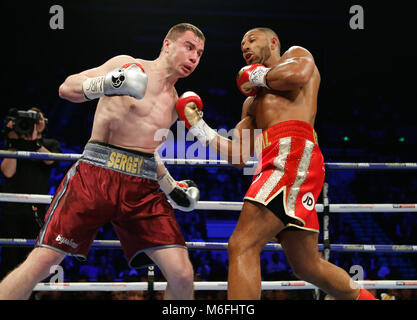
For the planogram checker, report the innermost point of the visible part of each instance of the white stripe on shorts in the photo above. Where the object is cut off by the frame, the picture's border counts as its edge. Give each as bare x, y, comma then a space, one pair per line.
275, 177
301, 177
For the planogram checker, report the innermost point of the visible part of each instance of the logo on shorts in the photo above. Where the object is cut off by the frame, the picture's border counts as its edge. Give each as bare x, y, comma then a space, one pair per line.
308, 201
61, 240
125, 163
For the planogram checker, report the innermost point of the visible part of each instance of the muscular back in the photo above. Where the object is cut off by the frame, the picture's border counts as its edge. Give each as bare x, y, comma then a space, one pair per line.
131, 123
270, 107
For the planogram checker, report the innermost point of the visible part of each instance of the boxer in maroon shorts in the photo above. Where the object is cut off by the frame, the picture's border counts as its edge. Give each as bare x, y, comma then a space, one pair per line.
120, 173
128, 197
282, 102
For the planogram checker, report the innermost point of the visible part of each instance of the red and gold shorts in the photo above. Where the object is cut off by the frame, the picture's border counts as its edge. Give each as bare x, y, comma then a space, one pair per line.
111, 184
290, 173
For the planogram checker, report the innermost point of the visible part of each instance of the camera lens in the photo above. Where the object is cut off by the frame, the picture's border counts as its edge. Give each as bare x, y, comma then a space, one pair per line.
24, 126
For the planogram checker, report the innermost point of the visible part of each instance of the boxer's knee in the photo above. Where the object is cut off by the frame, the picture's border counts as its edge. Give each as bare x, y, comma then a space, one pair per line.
40, 260
233, 247
307, 270
240, 244
181, 276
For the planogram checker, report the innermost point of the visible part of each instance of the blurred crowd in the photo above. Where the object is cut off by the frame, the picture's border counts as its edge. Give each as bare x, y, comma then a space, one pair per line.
229, 184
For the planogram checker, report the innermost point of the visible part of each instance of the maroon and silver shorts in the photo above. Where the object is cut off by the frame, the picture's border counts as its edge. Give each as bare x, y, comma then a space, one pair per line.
111, 184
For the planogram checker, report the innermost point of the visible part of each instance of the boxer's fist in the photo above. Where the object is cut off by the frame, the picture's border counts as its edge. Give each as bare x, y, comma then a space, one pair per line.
250, 78
183, 194
189, 107
128, 80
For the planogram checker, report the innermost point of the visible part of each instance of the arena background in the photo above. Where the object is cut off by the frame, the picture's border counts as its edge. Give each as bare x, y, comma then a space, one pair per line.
366, 108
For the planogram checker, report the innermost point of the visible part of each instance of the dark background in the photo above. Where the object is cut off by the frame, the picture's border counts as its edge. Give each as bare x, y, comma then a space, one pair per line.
366, 108
367, 90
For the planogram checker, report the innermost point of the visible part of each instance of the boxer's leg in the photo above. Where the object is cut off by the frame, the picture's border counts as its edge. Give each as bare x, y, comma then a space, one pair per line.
176, 267
19, 283
256, 226
301, 250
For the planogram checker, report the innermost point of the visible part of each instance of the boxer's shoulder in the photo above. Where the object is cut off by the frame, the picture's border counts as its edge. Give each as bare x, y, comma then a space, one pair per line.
295, 51
148, 65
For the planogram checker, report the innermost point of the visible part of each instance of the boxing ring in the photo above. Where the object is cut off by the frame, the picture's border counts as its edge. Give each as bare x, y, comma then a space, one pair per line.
326, 247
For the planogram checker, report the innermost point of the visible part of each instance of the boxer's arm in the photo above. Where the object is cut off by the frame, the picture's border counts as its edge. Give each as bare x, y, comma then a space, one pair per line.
72, 88
241, 148
183, 194
160, 169
293, 72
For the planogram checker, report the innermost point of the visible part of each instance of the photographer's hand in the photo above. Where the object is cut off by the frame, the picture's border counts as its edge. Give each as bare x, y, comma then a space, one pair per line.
11, 134
37, 138
8, 165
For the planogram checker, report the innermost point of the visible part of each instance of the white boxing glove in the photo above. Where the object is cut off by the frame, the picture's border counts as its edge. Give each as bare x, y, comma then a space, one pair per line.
183, 194
128, 80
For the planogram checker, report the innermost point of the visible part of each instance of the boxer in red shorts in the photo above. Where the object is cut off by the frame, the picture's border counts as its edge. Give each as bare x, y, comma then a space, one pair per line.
290, 174
282, 102
119, 175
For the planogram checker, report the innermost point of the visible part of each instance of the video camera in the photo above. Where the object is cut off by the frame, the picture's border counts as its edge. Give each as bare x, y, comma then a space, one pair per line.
23, 122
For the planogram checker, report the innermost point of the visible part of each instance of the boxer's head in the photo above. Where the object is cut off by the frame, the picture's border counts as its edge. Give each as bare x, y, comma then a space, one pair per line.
259, 44
183, 46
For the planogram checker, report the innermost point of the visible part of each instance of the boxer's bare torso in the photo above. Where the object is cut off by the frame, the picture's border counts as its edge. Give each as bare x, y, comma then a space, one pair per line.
270, 107
131, 123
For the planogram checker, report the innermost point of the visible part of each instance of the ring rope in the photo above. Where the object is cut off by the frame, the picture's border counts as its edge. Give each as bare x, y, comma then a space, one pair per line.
237, 206
213, 162
115, 244
211, 285
233, 206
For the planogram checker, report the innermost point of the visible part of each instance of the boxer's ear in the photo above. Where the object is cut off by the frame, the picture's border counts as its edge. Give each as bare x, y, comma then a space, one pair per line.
274, 43
166, 44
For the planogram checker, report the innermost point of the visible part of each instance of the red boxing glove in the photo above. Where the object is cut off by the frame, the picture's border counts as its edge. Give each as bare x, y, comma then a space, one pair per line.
189, 107
250, 78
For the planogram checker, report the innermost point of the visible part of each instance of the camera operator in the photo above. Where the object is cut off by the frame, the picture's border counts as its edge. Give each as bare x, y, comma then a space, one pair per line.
24, 132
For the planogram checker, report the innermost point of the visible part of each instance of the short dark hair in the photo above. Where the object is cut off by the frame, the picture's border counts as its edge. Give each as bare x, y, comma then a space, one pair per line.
182, 28
270, 32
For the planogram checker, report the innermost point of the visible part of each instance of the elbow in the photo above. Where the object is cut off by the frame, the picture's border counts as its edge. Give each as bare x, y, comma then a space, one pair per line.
63, 91
300, 79
303, 73
238, 164
7, 172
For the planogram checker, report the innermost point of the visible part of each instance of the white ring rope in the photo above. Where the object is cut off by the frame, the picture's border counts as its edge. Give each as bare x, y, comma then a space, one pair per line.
336, 247
237, 206
219, 205
211, 285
